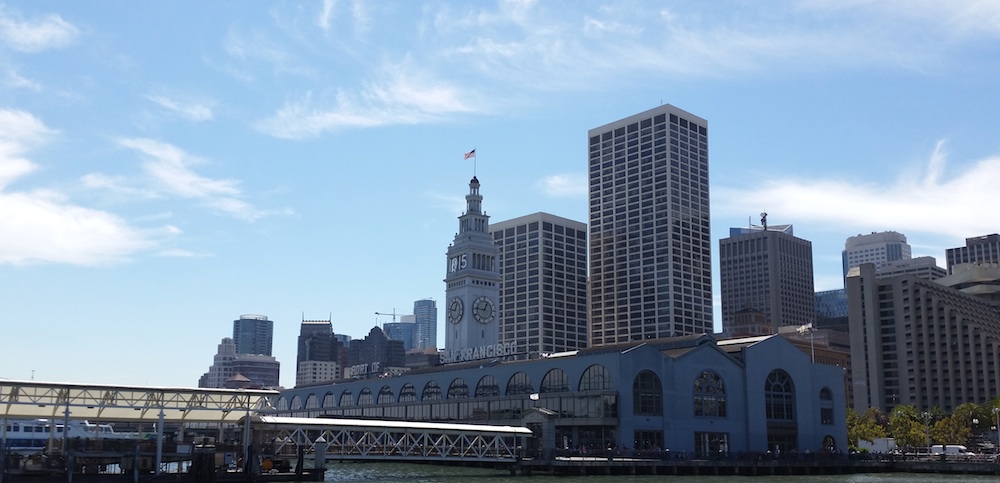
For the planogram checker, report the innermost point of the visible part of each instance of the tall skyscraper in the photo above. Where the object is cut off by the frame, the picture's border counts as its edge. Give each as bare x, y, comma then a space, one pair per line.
253, 334
426, 313
472, 284
404, 331
877, 248
768, 269
543, 287
978, 249
321, 357
650, 241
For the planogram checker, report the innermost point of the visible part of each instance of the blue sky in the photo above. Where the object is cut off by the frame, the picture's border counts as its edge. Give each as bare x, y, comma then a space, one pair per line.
168, 166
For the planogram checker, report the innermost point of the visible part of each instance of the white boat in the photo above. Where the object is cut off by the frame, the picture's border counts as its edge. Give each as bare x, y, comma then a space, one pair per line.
23, 435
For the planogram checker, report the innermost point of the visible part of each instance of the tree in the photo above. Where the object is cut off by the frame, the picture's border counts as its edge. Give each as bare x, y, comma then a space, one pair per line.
867, 426
907, 425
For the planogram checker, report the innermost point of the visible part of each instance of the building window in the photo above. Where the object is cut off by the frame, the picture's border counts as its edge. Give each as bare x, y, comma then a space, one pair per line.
709, 395
647, 394
365, 398
711, 445
408, 393
487, 387
779, 397
458, 389
826, 406
432, 391
519, 383
555, 381
346, 398
385, 395
595, 378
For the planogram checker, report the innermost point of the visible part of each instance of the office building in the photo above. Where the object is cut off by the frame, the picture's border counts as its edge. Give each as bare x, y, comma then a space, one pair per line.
374, 356
877, 248
650, 241
321, 357
404, 331
253, 334
921, 342
979, 249
472, 285
543, 287
232, 370
695, 395
770, 270
425, 315
831, 304
922, 267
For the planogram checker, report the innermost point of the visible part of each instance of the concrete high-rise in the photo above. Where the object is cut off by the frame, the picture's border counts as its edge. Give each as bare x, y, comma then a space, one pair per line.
543, 286
978, 249
877, 248
769, 270
426, 313
253, 334
321, 357
650, 240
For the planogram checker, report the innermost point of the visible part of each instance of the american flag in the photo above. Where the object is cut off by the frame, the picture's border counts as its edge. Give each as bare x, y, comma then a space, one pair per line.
470, 154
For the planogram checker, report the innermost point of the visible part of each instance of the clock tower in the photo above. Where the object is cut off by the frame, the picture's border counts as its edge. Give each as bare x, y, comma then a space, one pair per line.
472, 284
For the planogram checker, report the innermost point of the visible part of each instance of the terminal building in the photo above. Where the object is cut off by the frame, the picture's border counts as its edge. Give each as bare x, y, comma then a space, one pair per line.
692, 395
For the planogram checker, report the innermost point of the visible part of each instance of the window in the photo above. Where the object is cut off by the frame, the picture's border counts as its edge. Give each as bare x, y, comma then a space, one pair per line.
826, 406
365, 398
487, 387
595, 378
346, 399
408, 393
647, 395
519, 383
779, 396
432, 391
385, 395
555, 381
458, 389
709, 395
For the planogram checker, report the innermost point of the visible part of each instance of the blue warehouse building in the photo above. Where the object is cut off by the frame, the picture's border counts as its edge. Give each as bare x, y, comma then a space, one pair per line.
691, 395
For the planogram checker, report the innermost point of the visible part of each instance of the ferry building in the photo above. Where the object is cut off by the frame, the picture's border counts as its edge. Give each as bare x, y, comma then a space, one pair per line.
692, 395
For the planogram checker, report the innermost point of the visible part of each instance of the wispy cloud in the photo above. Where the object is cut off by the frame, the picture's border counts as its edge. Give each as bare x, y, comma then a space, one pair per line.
192, 111
42, 225
930, 204
572, 185
35, 35
171, 169
402, 94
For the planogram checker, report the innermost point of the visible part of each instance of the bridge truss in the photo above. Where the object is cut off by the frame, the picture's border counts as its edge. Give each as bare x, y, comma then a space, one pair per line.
358, 439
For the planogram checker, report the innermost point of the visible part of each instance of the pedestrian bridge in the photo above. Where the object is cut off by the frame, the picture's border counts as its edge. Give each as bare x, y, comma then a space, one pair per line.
360, 439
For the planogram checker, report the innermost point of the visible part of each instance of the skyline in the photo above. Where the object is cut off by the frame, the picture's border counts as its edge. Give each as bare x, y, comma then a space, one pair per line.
166, 168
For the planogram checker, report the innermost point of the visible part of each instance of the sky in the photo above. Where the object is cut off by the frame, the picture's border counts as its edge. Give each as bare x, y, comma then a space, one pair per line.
166, 167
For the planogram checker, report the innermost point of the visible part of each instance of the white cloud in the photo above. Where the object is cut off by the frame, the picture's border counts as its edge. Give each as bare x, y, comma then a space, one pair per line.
930, 204
171, 170
402, 95
49, 32
566, 184
42, 225
193, 112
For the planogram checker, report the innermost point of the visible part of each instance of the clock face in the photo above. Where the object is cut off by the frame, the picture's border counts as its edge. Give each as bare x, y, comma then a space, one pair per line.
455, 310
482, 309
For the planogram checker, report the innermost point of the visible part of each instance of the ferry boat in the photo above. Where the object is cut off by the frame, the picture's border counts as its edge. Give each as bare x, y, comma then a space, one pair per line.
27, 435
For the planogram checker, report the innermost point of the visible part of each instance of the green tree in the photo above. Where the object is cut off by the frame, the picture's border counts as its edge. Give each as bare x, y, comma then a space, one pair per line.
867, 426
952, 429
907, 425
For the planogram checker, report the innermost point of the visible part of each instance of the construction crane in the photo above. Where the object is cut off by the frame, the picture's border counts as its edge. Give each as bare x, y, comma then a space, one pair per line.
393, 314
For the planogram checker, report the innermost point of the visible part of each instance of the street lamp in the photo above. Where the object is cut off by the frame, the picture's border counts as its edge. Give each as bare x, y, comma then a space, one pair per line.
927, 430
996, 417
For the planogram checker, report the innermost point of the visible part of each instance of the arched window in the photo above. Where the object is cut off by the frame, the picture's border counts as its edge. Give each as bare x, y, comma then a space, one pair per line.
829, 444
312, 402
709, 395
595, 378
555, 380
647, 394
282, 404
407, 393
365, 398
487, 387
329, 401
519, 383
779, 396
825, 406
432, 391
385, 395
296, 403
346, 398
458, 389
